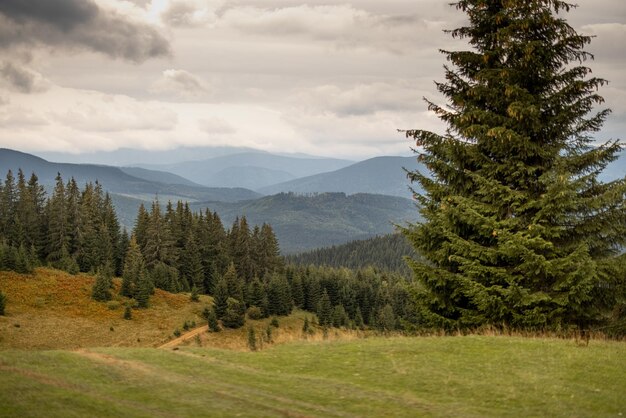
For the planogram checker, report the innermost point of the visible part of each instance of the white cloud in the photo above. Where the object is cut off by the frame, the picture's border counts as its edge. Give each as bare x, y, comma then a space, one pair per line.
180, 83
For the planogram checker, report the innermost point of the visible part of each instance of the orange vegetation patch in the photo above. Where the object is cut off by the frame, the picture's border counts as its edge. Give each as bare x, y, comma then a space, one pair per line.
53, 309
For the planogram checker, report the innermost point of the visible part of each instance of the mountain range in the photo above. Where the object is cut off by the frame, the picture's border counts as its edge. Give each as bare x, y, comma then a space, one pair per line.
311, 202
251, 170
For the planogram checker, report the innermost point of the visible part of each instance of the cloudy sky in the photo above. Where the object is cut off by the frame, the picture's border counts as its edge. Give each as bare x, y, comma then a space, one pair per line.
323, 77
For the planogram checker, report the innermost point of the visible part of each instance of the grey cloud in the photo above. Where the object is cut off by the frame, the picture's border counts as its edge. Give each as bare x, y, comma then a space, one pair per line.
63, 14
179, 14
76, 24
21, 79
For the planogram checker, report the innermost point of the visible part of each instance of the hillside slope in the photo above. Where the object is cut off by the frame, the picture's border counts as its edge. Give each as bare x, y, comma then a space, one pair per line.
380, 175
54, 310
306, 222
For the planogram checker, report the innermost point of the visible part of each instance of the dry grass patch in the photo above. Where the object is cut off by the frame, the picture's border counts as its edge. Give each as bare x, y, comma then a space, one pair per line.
51, 309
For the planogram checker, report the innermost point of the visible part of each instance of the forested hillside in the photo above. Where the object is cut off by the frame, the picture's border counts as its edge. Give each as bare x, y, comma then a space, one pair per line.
177, 250
385, 252
304, 222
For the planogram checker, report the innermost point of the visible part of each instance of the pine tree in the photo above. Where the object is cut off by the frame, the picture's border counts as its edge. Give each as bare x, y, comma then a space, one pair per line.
143, 291
101, 288
3, 301
58, 239
251, 339
518, 229
235, 283
220, 298
134, 268
128, 313
279, 296
191, 268
8, 207
212, 322
325, 310
257, 296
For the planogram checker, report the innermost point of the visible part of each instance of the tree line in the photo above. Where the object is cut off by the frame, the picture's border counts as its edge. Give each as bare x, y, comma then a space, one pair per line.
385, 252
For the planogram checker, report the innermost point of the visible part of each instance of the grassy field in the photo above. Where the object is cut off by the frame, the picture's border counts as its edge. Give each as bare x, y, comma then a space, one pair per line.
434, 376
343, 373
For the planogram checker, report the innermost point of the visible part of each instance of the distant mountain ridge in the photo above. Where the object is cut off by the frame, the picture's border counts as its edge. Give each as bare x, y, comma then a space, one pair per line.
257, 169
379, 175
114, 179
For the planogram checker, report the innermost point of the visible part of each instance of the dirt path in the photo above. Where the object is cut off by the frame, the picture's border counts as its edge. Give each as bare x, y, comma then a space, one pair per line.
186, 336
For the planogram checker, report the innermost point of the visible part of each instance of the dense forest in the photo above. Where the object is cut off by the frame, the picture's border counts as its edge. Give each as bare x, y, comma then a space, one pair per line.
178, 250
386, 253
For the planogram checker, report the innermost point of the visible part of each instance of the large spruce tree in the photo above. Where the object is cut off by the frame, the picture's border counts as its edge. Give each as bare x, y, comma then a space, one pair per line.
518, 229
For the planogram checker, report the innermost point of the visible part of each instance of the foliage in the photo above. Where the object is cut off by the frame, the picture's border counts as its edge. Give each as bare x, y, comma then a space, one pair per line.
212, 322
234, 317
386, 253
3, 301
252, 339
128, 313
101, 289
519, 231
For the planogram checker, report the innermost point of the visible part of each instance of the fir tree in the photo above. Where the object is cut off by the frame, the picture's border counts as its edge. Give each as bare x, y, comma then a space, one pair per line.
518, 229
257, 296
251, 339
143, 291
212, 322
57, 237
101, 288
234, 316
191, 268
3, 301
128, 313
279, 296
134, 268
325, 310
220, 298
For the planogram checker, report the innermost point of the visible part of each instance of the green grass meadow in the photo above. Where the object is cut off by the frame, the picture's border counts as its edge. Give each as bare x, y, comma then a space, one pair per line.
473, 376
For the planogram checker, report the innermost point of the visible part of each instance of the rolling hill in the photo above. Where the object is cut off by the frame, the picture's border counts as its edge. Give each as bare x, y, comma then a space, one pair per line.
304, 222
158, 176
380, 175
115, 180
252, 169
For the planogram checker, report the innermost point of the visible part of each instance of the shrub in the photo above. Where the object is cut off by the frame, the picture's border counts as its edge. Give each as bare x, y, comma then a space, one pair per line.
254, 312
128, 313
2, 303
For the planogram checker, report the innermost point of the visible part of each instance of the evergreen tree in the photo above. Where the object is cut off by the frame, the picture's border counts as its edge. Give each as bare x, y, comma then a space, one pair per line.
234, 316
358, 319
128, 313
297, 292
101, 288
518, 229
143, 291
191, 268
214, 326
257, 296
57, 236
8, 207
134, 268
235, 283
220, 298
3, 301
251, 338
325, 310
279, 296
74, 212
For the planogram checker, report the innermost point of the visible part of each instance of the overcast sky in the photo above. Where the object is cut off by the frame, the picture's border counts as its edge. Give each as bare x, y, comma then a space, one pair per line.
332, 78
